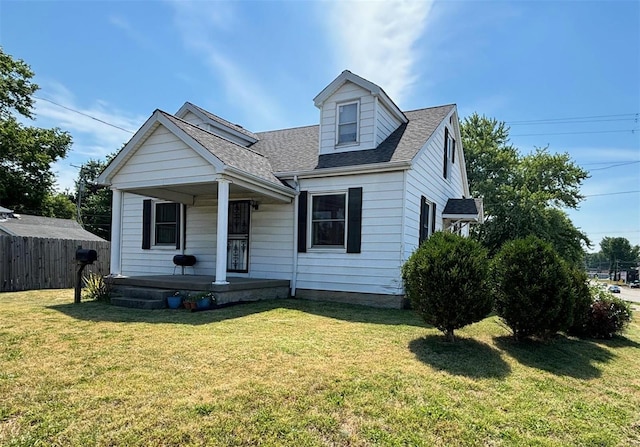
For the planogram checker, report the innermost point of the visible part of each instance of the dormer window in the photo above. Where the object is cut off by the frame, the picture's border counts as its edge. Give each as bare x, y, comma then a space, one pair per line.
348, 123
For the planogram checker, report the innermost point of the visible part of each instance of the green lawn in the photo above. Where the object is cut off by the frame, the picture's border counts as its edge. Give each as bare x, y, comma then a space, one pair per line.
300, 373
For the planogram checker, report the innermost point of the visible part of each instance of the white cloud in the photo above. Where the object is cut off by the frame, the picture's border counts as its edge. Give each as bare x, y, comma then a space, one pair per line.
207, 29
91, 127
97, 130
377, 40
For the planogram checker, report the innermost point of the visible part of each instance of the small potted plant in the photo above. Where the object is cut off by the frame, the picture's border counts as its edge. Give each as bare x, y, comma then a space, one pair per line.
204, 300
189, 301
174, 301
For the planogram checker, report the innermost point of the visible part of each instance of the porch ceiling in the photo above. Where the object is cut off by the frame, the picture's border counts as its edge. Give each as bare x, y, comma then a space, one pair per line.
188, 194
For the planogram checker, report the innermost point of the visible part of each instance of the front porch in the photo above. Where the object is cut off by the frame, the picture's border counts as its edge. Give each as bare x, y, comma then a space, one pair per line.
136, 289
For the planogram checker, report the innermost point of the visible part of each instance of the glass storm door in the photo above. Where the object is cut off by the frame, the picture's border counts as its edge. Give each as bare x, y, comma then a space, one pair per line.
238, 237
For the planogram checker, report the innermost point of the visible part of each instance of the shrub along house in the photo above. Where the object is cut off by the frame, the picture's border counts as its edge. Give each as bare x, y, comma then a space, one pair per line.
331, 210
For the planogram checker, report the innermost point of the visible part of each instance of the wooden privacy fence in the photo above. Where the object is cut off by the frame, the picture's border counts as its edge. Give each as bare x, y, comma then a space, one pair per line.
29, 263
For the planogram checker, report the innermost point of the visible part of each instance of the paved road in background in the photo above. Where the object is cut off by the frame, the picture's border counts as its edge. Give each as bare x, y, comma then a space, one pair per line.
629, 294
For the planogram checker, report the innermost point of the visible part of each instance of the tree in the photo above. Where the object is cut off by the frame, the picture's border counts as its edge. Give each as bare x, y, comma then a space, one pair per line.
59, 205
446, 279
619, 253
26, 152
523, 194
95, 200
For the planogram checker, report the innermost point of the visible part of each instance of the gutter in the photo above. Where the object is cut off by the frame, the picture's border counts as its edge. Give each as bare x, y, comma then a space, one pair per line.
372, 168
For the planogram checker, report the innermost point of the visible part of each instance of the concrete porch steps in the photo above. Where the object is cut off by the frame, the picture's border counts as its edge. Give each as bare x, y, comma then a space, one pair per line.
140, 297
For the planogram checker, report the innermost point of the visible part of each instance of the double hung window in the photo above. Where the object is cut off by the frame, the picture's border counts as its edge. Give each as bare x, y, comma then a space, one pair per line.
166, 223
328, 220
348, 123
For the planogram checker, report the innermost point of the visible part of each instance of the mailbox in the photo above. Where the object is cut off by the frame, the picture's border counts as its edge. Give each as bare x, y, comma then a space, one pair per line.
85, 256
184, 260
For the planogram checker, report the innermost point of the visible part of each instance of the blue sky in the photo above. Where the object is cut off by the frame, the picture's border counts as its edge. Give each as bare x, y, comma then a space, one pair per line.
260, 64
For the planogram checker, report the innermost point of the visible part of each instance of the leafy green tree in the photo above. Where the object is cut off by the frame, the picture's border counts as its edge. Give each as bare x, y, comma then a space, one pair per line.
523, 194
619, 252
446, 279
26, 152
95, 200
59, 205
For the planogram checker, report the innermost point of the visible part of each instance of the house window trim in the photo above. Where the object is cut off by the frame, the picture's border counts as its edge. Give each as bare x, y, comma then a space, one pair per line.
327, 248
170, 245
448, 153
357, 123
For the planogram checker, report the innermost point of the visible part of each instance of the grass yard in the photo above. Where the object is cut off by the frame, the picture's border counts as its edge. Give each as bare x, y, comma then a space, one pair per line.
299, 373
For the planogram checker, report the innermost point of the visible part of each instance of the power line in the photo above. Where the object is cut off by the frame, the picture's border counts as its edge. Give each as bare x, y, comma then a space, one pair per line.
613, 193
608, 162
84, 114
615, 165
636, 115
633, 131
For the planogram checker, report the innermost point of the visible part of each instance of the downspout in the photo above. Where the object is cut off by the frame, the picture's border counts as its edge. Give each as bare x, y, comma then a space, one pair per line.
294, 273
404, 226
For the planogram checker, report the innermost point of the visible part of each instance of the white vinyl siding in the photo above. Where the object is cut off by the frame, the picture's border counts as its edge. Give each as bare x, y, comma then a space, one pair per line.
348, 93
385, 123
163, 159
425, 179
377, 268
192, 118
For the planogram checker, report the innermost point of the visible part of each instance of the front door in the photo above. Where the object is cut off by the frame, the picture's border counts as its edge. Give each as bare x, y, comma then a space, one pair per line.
238, 236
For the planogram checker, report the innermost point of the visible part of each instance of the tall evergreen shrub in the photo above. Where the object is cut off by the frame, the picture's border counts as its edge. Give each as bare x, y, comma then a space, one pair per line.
447, 281
533, 289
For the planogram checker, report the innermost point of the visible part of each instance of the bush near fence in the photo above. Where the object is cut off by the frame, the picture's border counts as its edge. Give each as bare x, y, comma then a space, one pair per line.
30, 263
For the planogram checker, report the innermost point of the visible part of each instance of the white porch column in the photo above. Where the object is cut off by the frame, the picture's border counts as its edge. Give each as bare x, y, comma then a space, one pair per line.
221, 236
116, 231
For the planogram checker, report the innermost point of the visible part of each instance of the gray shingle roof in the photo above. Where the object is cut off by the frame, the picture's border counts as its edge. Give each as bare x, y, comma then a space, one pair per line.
231, 154
461, 206
291, 150
46, 227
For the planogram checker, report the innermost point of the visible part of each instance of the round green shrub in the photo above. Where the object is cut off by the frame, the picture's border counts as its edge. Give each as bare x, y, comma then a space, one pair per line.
608, 316
446, 280
532, 288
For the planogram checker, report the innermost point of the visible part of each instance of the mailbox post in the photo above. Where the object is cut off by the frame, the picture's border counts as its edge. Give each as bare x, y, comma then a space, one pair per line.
84, 257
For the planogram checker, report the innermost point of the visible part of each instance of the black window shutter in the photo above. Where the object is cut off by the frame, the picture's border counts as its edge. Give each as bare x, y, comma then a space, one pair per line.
178, 237
433, 219
146, 224
302, 222
354, 226
445, 162
453, 151
423, 231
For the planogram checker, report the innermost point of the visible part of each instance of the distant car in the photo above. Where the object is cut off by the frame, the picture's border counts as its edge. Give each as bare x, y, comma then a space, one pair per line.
614, 289
635, 284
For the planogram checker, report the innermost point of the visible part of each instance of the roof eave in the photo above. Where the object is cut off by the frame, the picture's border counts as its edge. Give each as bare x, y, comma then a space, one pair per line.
371, 168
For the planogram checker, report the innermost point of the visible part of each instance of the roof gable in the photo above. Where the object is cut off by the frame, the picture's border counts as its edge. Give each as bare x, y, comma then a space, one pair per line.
374, 89
140, 137
219, 123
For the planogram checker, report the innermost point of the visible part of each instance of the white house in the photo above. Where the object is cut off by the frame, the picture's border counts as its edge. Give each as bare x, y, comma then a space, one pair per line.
334, 208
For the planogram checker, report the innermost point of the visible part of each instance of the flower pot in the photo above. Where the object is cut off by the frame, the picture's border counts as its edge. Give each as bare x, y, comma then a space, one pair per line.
204, 303
174, 301
189, 305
